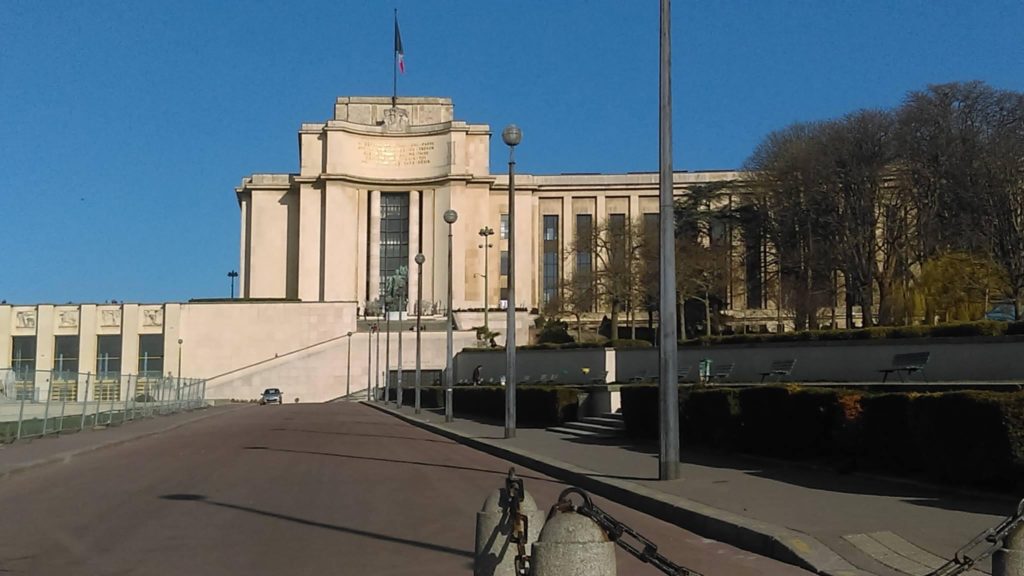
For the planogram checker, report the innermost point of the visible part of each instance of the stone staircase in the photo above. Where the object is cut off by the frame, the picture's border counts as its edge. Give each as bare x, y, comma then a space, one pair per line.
607, 425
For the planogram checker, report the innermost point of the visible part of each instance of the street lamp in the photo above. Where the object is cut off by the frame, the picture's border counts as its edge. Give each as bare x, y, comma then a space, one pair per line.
370, 359
232, 275
450, 216
486, 232
348, 370
180, 341
400, 280
420, 259
389, 292
512, 136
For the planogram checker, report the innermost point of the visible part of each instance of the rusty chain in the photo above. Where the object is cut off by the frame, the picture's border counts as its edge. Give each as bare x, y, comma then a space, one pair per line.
646, 551
520, 523
981, 546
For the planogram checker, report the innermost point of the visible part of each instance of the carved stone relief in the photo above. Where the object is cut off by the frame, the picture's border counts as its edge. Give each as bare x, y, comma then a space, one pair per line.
67, 318
152, 317
26, 318
110, 317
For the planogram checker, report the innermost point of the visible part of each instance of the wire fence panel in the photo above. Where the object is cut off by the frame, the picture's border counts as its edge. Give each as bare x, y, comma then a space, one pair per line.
37, 403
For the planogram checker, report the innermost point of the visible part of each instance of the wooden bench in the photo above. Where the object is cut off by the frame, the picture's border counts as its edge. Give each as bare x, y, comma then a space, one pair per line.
721, 372
906, 363
779, 368
683, 373
600, 379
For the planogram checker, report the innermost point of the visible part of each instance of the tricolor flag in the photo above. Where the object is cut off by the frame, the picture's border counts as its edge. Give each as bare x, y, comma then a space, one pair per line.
399, 53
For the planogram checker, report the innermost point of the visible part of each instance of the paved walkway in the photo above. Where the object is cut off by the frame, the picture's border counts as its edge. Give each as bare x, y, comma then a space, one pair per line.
881, 526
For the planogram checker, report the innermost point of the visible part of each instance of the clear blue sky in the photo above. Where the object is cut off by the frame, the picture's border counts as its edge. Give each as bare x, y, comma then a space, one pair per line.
124, 126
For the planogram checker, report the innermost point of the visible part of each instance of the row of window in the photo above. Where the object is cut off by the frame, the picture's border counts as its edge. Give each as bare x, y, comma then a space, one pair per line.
66, 353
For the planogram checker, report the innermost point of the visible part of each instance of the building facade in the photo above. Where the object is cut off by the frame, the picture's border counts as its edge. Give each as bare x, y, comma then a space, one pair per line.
373, 184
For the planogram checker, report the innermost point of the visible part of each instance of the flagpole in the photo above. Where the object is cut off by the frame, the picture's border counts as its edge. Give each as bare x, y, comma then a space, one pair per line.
394, 68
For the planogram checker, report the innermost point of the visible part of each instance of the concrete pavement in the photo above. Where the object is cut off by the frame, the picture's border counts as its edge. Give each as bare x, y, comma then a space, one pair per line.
296, 489
824, 521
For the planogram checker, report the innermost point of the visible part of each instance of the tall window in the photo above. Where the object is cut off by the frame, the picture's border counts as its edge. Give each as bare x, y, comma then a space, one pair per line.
584, 274
617, 240
504, 263
65, 357
503, 227
108, 357
151, 355
503, 280
753, 268
551, 252
23, 357
394, 235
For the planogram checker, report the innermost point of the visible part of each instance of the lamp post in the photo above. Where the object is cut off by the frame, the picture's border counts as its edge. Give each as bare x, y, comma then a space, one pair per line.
668, 388
511, 136
369, 361
400, 280
376, 374
450, 216
420, 259
389, 289
348, 370
232, 275
180, 341
486, 232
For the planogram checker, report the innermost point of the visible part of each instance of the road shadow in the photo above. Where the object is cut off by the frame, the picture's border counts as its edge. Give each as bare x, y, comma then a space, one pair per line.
397, 461
819, 476
623, 443
389, 436
306, 522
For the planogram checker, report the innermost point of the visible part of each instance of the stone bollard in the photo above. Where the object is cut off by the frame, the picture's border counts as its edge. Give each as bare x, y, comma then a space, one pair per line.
1009, 560
495, 550
572, 545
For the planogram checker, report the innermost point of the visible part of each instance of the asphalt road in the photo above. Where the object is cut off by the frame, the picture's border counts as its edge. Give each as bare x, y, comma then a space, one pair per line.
295, 489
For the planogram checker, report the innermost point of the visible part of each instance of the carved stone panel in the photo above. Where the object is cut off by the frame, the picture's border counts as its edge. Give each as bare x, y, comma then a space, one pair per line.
26, 318
152, 317
67, 318
110, 317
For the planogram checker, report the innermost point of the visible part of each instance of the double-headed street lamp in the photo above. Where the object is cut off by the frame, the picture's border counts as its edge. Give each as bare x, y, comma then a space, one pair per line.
512, 136
400, 279
232, 275
420, 259
486, 232
450, 216
369, 360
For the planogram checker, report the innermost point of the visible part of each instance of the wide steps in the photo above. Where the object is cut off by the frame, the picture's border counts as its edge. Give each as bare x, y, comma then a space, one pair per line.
608, 425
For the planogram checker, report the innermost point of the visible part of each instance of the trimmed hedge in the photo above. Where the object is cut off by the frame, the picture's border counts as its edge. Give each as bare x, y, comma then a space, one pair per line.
968, 437
959, 330
535, 405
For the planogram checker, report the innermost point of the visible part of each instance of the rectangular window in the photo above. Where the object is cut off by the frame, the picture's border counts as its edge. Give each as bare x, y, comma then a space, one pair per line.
551, 251
65, 357
151, 355
754, 268
584, 275
503, 227
394, 240
503, 271
23, 358
108, 357
617, 241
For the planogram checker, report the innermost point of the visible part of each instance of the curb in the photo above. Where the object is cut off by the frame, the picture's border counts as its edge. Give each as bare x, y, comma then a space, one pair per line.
67, 455
761, 538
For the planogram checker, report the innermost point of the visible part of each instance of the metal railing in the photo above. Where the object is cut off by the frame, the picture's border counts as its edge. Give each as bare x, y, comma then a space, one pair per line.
36, 403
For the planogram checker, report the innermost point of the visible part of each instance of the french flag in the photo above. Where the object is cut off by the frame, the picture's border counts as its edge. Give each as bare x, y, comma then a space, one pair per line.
399, 53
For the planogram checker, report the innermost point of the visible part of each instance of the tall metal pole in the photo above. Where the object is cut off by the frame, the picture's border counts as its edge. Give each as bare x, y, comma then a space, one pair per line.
668, 387
348, 370
486, 232
387, 342
398, 383
369, 362
179, 356
419, 326
376, 374
512, 136
450, 216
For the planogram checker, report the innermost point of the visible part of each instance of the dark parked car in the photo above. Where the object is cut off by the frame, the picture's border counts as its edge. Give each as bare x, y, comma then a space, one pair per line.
271, 396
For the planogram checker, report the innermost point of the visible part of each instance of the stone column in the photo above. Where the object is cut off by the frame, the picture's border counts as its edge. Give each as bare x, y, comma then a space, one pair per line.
414, 236
374, 245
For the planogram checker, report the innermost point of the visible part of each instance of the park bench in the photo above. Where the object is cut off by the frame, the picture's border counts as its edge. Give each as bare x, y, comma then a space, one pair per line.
779, 368
683, 373
600, 378
906, 363
721, 372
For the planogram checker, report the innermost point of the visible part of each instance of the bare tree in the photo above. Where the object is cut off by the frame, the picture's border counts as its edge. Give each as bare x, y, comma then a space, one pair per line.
615, 247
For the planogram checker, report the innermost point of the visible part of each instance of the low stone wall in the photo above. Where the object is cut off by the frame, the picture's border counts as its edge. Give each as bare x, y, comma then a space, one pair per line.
574, 366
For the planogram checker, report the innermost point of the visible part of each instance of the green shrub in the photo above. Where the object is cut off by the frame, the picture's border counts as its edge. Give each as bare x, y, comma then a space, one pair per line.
970, 437
1015, 328
627, 343
710, 417
886, 439
983, 328
640, 411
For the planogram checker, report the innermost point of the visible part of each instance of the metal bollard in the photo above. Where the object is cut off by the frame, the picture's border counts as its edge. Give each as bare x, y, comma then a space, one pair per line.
1009, 560
496, 547
572, 544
